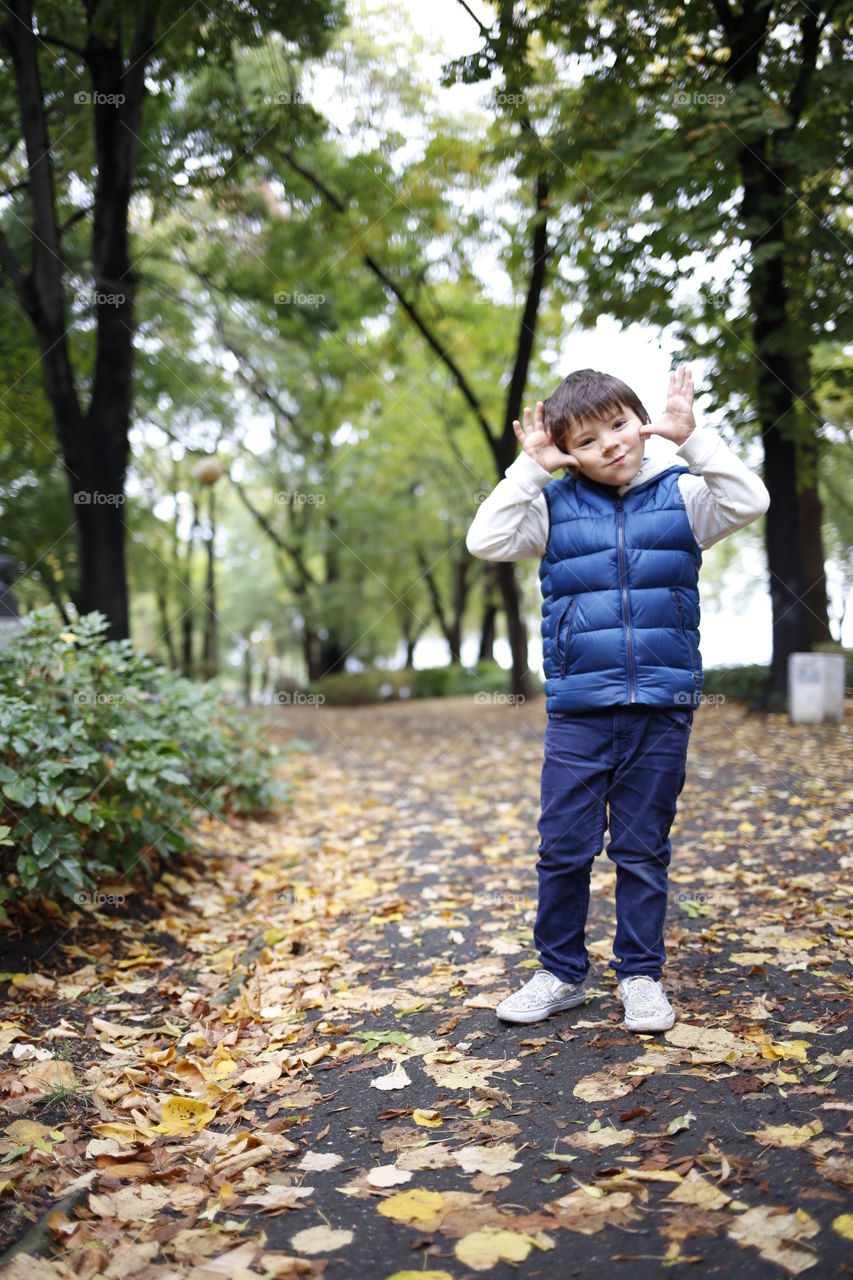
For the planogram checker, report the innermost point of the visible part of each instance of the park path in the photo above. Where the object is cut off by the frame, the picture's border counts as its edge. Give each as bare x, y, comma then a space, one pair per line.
285, 1060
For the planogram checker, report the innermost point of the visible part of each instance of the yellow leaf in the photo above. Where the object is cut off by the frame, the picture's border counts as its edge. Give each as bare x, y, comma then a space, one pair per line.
184, 1115
843, 1224
21, 1131
789, 1049
421, 1275
423, 1207
120, 1130
789, 1135
482, 1250
429, 1119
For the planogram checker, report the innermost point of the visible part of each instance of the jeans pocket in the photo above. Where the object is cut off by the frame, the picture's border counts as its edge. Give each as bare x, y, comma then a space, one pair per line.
679, 715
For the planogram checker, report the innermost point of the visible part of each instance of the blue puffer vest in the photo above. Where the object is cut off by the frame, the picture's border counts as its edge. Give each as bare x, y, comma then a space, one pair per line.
620, 608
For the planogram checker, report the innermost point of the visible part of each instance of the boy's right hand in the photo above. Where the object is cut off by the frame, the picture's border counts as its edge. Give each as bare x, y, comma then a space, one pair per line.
537, 442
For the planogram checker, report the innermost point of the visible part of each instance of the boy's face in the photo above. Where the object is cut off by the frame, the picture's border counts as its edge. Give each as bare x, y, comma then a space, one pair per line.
610, 450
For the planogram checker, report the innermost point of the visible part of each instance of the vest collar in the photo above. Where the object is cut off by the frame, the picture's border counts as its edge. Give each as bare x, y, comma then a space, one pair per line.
650, 469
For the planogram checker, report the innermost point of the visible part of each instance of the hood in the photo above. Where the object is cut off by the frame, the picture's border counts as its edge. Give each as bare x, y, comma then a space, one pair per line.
652, 465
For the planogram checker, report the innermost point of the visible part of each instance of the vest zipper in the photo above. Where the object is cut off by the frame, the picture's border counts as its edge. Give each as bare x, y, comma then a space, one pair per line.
623, 579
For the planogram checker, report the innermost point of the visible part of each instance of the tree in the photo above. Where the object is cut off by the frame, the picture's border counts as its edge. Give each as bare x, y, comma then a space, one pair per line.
66, 235
703, 145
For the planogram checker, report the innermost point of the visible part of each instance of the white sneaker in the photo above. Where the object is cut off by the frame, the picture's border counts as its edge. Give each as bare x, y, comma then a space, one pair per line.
646, 1005
541, 996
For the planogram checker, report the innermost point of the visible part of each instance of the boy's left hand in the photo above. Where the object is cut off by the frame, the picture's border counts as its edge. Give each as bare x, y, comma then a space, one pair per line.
677, 421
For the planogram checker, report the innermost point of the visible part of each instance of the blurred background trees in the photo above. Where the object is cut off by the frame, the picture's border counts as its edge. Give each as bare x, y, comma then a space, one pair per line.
328, 320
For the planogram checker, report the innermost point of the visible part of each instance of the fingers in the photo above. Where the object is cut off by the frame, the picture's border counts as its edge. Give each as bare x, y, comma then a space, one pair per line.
538, 421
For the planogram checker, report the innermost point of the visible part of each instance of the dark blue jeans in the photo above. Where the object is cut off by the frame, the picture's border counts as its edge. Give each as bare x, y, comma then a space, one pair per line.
631, 759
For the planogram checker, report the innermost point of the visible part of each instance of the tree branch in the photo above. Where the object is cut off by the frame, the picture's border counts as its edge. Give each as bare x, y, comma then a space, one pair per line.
382, 275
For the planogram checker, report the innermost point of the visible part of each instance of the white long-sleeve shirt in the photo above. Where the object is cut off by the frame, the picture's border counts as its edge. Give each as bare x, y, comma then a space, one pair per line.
720, 493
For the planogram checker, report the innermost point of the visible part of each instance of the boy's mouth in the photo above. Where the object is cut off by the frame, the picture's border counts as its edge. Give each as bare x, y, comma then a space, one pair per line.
616, 461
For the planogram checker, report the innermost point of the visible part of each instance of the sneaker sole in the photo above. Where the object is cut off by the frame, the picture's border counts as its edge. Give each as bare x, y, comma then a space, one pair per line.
531, 1015
650, 1024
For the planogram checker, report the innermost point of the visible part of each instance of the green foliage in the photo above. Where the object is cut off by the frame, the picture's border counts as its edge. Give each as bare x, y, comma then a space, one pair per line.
452, 681
105, 758
736, 683
748, 682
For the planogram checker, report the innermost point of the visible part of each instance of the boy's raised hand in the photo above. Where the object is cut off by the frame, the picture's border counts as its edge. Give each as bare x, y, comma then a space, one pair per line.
677, 421
537, 441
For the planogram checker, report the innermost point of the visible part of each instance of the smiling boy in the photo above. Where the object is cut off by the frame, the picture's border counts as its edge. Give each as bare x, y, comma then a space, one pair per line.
620, 538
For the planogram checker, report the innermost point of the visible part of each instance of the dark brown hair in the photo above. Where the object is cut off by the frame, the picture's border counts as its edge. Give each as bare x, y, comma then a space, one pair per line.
586, 393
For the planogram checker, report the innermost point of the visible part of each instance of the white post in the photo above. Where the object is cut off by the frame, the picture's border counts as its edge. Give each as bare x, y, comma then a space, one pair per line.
815, 687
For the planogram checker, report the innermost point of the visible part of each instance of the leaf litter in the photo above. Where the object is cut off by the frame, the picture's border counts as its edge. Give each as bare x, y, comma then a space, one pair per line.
182, 1095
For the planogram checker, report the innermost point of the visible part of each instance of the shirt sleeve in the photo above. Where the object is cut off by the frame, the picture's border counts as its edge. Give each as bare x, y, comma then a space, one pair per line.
512, 522
720, 492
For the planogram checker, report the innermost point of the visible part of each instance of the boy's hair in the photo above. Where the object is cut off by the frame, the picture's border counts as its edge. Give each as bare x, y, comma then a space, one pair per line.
586, 393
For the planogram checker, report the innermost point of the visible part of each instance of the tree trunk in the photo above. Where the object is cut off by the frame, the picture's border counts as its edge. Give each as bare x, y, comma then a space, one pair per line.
163, 610
333, 656
187, 657
247, 674
96, 481
764, 203
487, 633
522, 685
490, 613
210, 650
811, 516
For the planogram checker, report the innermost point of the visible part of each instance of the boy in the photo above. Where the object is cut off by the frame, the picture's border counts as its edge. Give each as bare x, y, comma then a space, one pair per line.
620, 538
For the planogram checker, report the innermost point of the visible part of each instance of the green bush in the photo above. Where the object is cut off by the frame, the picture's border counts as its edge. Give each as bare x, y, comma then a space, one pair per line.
105, 756
454, 680
739, 683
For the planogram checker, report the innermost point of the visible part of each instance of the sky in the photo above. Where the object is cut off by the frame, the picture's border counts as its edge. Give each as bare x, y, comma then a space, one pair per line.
735, 633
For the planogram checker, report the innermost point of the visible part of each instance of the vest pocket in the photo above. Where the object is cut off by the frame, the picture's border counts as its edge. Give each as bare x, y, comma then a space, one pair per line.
563, 644
694, 665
